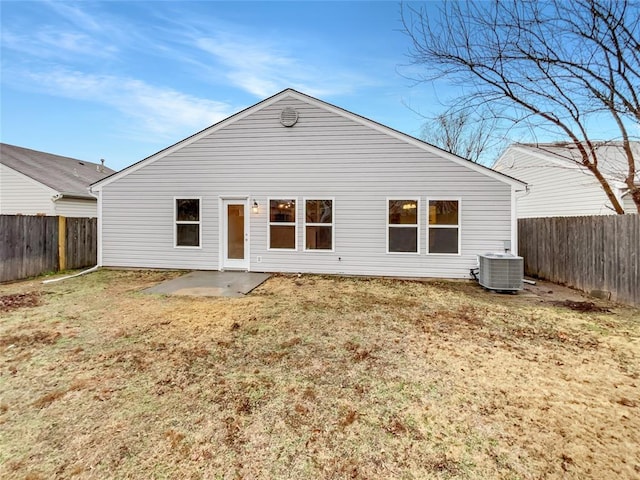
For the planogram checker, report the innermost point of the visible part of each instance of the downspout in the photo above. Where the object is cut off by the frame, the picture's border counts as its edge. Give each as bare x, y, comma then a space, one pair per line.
92, 269
514, 215
514, 222
98, 194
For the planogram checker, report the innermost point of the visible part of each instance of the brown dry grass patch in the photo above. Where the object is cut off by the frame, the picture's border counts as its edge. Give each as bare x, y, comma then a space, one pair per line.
314, 377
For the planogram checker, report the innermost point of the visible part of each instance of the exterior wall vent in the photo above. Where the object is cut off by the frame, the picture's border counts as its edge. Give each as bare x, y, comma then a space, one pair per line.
501, 271
288, 117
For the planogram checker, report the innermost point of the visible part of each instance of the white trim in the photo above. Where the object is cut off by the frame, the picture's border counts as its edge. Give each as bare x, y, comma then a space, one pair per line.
234, 197
323, 105
185, 222
283, 224
225, 263
305, 224
514, 223
72, 196
99, 212
406, 225
458, 226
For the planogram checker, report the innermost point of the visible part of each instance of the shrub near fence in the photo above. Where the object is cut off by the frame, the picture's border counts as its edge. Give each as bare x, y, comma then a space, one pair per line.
587, 253
32, 245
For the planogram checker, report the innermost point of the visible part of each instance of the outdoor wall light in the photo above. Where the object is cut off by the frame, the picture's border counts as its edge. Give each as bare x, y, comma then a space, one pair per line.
255, 206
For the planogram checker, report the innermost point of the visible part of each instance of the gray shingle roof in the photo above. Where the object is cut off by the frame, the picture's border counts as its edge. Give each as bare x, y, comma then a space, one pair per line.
63, 174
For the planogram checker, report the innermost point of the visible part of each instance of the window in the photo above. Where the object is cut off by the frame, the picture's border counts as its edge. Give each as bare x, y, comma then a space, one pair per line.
318, 226
402, 226
282, 224
444, 226
187, 216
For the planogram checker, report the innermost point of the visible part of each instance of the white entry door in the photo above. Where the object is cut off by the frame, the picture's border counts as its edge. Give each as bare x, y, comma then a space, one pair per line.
234, 241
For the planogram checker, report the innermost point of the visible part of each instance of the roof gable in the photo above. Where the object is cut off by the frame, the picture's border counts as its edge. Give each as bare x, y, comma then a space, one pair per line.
65, 175
323, 105
612, 162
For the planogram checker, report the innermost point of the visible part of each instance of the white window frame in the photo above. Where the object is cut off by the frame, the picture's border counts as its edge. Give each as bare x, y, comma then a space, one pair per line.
282, 224
458, 226
177, 222
332, 225
393, 225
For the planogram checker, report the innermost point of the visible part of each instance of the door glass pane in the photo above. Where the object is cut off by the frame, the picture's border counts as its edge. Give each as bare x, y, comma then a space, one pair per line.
235, 231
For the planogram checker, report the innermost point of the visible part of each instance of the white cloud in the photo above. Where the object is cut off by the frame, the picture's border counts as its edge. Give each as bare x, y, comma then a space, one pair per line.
255, 62
253, 66
243, 52
78, 16
157, 110
51, 43
263, 68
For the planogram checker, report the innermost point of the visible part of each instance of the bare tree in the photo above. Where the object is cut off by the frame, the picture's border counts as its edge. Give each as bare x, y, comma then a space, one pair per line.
461, 133
557, 66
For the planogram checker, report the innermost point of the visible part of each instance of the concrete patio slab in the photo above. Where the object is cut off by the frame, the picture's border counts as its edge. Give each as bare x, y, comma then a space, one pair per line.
211, 284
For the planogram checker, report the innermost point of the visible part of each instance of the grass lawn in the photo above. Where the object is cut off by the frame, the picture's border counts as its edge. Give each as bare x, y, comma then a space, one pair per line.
313, 377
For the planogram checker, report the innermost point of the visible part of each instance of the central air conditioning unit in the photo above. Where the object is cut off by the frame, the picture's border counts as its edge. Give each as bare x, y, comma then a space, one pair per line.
501, 271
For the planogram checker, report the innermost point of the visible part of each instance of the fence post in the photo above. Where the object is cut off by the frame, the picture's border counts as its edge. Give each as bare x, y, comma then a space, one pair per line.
62, 243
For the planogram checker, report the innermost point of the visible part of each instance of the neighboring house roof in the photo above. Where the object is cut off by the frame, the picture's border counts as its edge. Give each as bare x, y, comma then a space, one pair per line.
612, 161
70, 177
321, 104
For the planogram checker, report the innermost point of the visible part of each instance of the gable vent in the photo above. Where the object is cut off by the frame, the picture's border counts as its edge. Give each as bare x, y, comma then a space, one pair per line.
288, 117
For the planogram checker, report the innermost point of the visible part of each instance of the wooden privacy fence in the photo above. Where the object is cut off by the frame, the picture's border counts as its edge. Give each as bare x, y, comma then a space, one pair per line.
32, 245
588, 253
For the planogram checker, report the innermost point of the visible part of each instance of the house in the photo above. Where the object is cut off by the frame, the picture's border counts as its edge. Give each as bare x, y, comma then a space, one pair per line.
39, 183
558, 186
294, 184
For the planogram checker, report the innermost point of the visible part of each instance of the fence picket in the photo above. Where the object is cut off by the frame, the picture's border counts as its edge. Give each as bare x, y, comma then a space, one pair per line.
29, 245
588, 253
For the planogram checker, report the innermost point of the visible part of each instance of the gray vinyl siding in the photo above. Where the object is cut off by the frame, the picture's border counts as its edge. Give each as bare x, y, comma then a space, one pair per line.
323, 155
22, 195
555, 191
628, 204
72, 207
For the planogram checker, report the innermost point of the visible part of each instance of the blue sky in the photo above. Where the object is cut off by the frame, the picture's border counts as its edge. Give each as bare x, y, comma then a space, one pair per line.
122, 80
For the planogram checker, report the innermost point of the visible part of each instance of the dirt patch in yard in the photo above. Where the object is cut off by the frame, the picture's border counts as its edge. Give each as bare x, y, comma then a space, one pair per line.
582, 306
18, 300
316, 377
